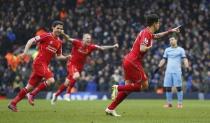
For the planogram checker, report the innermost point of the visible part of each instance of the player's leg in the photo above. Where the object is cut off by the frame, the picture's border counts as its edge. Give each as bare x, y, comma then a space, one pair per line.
110, 110
69, 88
32, 82
69, 82
136, 75
76, 76
178, 84
118, 97
168, 97
62, 87
40, 87
179, 97
168, 89
44, 72
60, 90
139, 82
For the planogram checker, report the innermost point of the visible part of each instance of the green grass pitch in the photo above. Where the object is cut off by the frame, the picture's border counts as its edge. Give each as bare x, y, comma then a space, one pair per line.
132, 111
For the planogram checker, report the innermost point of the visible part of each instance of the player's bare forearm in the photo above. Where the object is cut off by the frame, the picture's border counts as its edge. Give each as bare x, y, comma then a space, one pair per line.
62, 57
162, 62
162, 34
108, 47
144, 48
186, 63
67, 37
28, 45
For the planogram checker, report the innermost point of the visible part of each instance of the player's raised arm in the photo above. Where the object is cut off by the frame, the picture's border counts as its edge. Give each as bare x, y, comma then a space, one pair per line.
62, 57
107, 47
67, 37
161, 34
29, 44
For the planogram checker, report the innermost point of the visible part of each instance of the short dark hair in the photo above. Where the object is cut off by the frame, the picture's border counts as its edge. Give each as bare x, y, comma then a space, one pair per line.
57, 22
173, 36
151, 19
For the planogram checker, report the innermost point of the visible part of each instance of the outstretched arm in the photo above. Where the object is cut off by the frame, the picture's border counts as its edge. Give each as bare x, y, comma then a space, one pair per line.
28, 46
159, 35
62, 57
108, 47
67, 36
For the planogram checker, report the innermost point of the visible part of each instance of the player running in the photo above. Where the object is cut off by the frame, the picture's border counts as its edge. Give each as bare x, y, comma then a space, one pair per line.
174, 56
49, 45
80, 50
135, 77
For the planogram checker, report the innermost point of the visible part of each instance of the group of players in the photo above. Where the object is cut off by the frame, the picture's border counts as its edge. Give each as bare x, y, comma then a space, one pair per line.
50, 45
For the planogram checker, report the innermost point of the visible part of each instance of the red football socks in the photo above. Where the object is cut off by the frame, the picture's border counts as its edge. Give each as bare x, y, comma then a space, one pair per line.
60, 89
133, 87
72, 83
120, 97
19, 96
41, 87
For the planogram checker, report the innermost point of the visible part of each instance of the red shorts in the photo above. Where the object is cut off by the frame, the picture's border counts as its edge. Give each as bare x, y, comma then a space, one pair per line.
39, 72
133, 71
72, 69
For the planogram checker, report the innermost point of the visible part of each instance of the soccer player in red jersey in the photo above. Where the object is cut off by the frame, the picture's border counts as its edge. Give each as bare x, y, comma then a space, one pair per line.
49, 45
135, 77
79, 53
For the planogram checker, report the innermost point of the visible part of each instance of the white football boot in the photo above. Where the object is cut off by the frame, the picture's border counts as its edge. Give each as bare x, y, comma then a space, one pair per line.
67, 97
54, 99
112, 113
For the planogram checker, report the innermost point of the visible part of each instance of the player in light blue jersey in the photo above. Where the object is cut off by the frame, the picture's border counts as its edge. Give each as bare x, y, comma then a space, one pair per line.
173, 55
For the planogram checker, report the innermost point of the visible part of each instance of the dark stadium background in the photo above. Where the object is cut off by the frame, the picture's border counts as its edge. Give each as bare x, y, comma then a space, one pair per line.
109, 21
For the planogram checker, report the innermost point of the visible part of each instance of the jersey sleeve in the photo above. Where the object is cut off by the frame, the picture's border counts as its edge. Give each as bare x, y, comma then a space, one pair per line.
165, 56
145, 39
183, 55
76, 42
40, 38
93, 47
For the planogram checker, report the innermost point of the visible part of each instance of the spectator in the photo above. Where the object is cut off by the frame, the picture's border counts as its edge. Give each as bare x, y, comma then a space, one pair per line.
109, 21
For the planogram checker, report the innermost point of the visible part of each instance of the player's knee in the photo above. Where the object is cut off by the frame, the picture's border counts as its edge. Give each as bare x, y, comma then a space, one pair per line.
29, 87
179, 89
168, 89
66, 83
76, 76
145, 85
50, 81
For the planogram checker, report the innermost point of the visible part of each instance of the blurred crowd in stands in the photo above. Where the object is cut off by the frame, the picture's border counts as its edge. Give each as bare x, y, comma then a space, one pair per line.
109, 22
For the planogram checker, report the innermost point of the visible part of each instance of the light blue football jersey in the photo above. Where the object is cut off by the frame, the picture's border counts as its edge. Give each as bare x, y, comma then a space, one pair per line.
174, 59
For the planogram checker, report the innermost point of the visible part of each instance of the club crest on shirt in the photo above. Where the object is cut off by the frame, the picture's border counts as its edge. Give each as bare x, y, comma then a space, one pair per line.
146, 41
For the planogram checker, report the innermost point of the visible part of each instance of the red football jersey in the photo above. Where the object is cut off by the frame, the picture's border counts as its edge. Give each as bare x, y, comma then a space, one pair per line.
80, 52
48, 46
145, 37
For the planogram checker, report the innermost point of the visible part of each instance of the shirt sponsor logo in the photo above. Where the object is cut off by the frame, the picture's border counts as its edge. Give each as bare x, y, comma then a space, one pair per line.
52, 49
